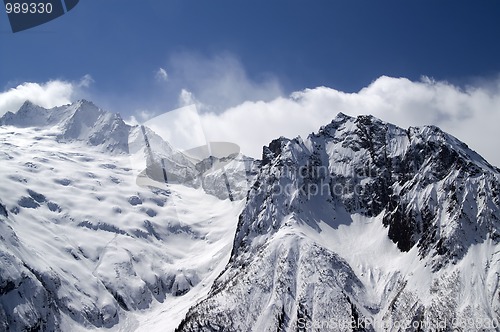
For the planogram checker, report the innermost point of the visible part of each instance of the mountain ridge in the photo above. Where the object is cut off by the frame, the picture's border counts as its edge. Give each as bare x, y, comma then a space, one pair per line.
80, 121
360, 226
406, 182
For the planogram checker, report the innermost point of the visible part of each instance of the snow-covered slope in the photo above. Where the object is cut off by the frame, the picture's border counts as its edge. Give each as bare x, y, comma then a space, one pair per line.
85, 242
81, 121
364, 222
107, 227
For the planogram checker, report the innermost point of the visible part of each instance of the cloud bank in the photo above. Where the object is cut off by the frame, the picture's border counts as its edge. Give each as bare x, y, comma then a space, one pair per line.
49, 94
472, 114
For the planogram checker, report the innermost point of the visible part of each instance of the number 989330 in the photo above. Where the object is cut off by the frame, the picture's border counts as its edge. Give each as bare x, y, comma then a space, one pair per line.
28, 8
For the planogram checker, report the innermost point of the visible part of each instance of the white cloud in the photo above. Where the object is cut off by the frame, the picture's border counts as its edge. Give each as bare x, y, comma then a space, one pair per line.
219, 82
86, 81
471, 114
161, 75
145, 115
187, 98
131, 121
49, 94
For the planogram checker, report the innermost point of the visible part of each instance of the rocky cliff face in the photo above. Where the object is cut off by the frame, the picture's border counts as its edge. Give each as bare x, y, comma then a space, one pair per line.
363, 222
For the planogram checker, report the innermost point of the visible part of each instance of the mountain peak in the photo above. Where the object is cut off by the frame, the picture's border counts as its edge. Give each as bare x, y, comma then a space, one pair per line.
342, 117
86, 106
396, 165
28, 104
399, 214
84, 102
29, 114
80, 121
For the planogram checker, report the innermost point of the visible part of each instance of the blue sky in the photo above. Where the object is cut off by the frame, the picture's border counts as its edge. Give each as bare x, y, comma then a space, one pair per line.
340, 44
225, 52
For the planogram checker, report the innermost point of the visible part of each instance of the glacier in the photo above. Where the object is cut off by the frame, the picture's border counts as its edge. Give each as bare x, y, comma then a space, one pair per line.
362, 226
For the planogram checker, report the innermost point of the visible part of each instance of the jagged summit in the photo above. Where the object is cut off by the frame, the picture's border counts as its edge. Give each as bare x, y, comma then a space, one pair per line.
29, 112
28, 104
362, 221
80, 121
393, 166
369, 126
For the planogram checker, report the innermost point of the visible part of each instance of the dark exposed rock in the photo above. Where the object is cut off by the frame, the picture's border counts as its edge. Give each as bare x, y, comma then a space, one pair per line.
3, 210
422, 184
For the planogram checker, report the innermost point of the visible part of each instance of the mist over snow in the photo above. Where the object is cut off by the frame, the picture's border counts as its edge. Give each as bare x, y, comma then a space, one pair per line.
470, 113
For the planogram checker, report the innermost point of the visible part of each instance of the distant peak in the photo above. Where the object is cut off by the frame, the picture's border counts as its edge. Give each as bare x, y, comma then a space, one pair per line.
360, 119
88, 109
336, 123
368, 119
28, 104
433, 129
342, 117
84, 102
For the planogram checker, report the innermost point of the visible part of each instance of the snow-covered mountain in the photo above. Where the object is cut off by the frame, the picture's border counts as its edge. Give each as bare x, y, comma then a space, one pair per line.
366, 222
80, 121
88, 241
106, 226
